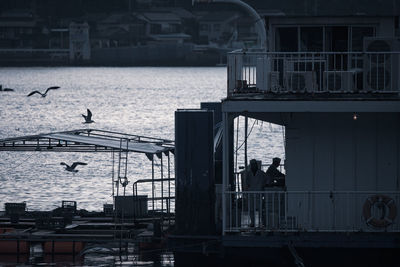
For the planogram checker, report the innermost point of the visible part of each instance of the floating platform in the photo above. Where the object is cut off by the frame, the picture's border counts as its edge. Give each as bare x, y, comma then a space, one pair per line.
17, 238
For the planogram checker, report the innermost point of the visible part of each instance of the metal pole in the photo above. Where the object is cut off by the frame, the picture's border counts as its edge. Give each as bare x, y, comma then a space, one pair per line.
246, 126
236, 152
169, 189
133, 201
162, 185
112, 173
225, 166
152, 181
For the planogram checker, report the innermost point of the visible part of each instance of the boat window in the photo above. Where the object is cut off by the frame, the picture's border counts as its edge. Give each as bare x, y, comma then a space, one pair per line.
336, 39
311, 39
358, 34
286, 39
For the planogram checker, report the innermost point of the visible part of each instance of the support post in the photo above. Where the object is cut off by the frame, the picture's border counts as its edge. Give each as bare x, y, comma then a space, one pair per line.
169, 190
162, 186
112, 174
225, 166
246, 126
152, 181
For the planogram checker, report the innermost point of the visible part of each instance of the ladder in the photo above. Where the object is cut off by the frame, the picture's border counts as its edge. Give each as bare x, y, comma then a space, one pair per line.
123, 163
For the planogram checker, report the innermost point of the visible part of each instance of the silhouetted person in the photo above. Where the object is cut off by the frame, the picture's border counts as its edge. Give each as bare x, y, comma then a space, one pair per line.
255, 180
274, 176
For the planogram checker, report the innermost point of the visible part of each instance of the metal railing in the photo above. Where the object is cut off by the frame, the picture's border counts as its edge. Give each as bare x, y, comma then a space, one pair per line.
331, 211
164, 201
313, 72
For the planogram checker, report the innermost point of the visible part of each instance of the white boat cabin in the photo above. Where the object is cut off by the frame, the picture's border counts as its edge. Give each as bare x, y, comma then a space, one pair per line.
334, 84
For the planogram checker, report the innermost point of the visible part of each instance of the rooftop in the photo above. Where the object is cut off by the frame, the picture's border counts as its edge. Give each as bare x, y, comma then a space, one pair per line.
328, 8
162, 16
87, 140
369, 75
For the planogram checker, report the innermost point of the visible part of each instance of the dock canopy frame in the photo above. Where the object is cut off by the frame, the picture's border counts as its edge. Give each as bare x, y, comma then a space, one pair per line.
87, 140
94, 140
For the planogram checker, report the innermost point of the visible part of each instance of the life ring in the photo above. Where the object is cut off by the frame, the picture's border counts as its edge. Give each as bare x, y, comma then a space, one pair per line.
385, 220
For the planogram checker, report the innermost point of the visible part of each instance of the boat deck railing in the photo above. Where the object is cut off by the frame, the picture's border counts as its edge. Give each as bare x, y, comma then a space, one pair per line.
302, 73
313, 211
164, 201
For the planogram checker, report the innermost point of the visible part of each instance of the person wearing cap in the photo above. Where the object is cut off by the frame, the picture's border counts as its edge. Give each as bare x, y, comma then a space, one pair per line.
273, 174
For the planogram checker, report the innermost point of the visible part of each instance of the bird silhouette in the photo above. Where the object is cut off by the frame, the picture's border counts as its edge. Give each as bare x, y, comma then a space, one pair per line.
73, 166
88, 117
45, 93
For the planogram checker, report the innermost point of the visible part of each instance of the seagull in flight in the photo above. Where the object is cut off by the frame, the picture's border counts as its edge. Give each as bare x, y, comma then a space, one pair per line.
88, 117
72, 167
45, 93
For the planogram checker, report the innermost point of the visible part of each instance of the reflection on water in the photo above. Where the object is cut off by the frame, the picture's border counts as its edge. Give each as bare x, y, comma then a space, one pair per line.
96, 256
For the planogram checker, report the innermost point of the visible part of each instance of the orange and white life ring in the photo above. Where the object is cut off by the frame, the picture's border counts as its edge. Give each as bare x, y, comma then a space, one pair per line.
386, 219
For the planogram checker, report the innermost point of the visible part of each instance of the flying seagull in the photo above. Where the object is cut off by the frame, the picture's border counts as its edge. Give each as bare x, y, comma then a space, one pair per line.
88, 117
72, 167
45, 93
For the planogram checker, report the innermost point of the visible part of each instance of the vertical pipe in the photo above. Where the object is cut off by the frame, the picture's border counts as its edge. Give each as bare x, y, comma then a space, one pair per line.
162, 186
237, 145
169, 189
112, 174
133, 201
259, 208
225, 169
152, 181
246, 126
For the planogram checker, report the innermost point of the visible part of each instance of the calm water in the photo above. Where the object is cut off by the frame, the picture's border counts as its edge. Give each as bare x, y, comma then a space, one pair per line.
131, 100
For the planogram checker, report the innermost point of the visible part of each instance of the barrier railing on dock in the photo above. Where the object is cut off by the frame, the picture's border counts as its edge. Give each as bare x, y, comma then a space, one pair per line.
164, 201
341, 211
313, 72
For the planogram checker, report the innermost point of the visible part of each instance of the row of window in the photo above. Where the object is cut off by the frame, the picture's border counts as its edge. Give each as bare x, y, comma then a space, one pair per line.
323, 38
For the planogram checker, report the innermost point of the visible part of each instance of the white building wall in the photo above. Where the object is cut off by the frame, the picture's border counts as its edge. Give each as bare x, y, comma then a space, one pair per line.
334, 152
